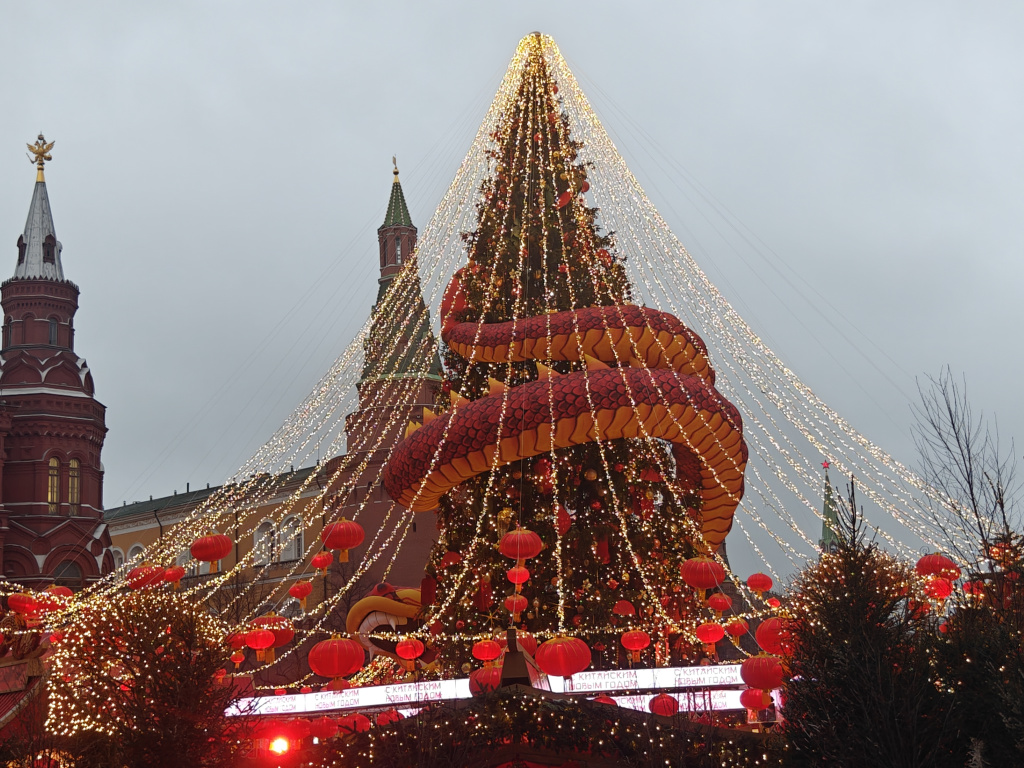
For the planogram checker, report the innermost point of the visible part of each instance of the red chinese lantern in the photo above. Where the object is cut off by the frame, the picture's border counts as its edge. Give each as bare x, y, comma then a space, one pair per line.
709, 634
736, 628
762, 672
773, 636
759, 583
624, 608
486, 651
145, 577
388, 716
323, 728
517, 575
938, 588
260, 640
755, 699
343, 535
322, 561
174, 575
605, 699
450, 559
563, 522
664, 705
281, 626
300, 590
337, 657
719, 603
236, 640
409, 648
484, 680
60, 591
774, 602
634, 641
23, 603
976, 588
520, 544
351, 724
563, 656
212, 548
238, 657
515, 604
702, 573
937, 565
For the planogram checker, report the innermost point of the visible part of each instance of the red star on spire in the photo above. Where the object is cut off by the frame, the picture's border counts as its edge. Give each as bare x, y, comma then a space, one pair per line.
825, 464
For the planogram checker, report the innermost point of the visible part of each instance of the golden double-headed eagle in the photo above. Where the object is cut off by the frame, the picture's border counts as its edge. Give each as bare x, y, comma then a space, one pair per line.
40, 152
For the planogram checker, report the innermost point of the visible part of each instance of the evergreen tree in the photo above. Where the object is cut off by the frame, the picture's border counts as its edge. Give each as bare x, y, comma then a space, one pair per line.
614, 518
862, 690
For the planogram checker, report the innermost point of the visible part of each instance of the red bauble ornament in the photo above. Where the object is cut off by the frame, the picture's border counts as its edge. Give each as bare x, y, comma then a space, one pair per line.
410, 648
212, 547
486, 650
562, 520
564, 199
585, 188
762, 672
664, 705
520, 544
624, 608
563, 656
484, 680
755, 699
342, 535
937, 565
759, 583
337, 657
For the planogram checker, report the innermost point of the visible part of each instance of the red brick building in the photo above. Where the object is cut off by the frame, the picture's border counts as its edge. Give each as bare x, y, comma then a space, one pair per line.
51, 425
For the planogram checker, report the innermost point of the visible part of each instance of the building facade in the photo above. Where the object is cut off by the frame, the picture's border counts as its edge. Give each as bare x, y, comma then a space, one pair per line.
51, 425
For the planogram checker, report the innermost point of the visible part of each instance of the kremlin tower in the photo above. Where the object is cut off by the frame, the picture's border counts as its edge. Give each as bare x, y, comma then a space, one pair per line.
51, 425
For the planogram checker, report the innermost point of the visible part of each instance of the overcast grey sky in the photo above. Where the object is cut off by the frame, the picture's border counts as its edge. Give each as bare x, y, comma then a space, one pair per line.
221, 169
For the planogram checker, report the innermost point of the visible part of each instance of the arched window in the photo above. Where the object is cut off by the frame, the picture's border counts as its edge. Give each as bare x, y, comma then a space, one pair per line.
53, 331
74, 485
21, 249
118, 557
291, 539
263, 543
8, 324
68, 574
135, 551
50, 250
398, 250
53, 486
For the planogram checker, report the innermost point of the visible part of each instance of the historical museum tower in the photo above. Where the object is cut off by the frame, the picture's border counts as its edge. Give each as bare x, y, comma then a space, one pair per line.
51, 425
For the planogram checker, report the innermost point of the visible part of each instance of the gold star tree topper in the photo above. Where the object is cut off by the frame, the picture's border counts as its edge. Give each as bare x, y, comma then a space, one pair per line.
40, 153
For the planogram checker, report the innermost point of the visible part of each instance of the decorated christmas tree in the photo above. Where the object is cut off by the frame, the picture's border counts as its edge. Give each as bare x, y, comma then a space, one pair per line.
579, 457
